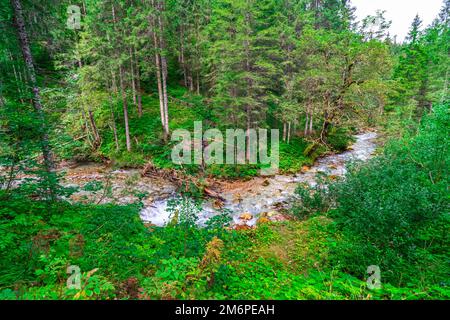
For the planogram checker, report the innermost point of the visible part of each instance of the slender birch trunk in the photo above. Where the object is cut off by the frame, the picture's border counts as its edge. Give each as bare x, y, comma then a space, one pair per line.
156, 44
163, 68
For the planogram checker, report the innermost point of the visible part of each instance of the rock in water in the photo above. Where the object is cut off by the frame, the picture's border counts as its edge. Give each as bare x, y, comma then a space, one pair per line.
263, 220
305, 169
246, 216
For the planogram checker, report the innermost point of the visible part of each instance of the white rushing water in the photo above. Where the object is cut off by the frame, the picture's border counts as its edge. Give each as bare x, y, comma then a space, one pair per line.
268, 195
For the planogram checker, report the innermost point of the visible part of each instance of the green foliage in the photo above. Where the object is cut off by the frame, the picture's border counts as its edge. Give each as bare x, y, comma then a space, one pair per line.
230, 64
292, 156
392, 212
340, 139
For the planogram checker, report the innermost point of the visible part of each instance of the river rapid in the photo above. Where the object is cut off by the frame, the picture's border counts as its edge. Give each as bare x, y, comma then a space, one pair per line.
246, 201
262, 196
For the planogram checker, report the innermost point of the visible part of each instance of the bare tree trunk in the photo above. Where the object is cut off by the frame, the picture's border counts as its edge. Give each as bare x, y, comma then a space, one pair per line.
311, 123
182, 58
198, 82
123, 92
113, 124
197, 55
284, 131
125, 108
138, 84
289, 133
306, 123
156, 43
163, 66
191, 81
247, 135
249, 88
325, 127
85, 127
133, 79
97, 139
37, 104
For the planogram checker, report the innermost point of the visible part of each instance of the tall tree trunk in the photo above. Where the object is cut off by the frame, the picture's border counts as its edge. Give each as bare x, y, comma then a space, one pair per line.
113, 124
37, 104
191, 81
85, 128
133, 79
113, 77
289, 133
182, 58
123, 90
198, 82
306, 123
138, 84
125, 108
197, 54
97, 138
156, 44
161, 8
325, 128
247, 136
249, 87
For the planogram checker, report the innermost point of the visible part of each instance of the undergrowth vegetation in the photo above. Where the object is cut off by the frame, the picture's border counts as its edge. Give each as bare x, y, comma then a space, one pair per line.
393, 211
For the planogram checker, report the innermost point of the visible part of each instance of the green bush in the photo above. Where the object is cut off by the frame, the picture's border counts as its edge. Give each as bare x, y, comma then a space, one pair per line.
340, 138
393, 211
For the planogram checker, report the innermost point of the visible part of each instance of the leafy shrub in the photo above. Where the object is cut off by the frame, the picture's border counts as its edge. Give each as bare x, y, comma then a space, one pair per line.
394, 211
340, 138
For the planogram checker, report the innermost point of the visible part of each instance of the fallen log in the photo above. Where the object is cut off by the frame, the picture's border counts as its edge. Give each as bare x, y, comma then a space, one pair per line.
213, 194
181, 181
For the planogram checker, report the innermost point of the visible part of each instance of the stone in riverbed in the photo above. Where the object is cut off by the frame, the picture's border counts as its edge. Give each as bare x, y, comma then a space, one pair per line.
237, 198
246, 216
263, 220
268, 214
218, 204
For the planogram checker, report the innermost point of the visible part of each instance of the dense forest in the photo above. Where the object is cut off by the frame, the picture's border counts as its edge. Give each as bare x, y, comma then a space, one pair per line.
108, 82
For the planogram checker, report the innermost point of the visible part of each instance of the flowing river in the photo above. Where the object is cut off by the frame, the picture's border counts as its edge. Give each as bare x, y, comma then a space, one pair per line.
246, 201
